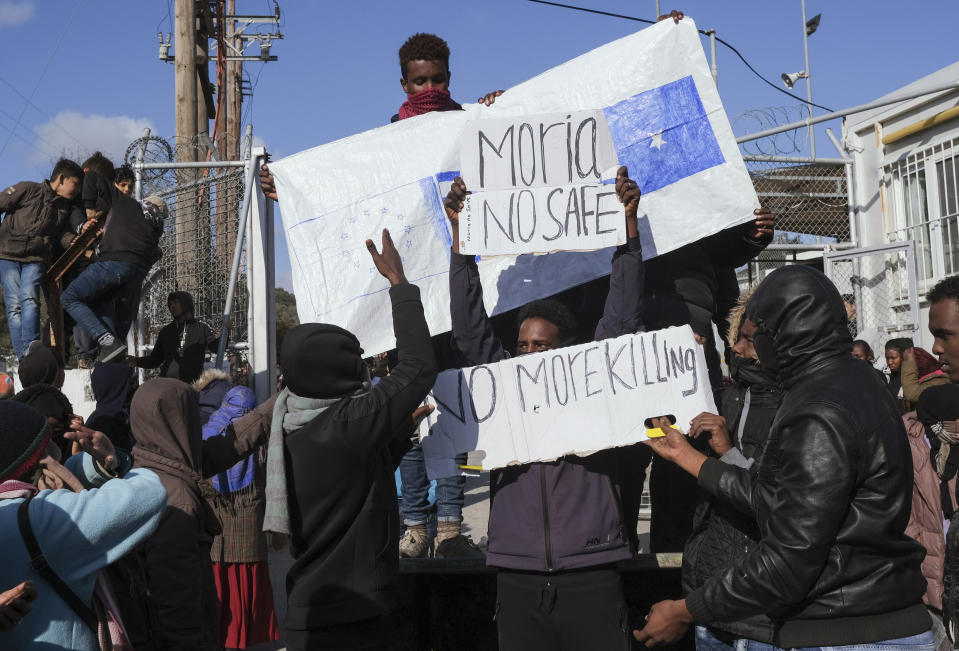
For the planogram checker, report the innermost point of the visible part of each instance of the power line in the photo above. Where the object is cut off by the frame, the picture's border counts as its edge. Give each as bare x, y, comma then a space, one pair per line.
76, 9
701, 31
52, 147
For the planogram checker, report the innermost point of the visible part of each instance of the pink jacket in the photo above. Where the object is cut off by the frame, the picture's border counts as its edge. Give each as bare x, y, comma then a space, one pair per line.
925, 521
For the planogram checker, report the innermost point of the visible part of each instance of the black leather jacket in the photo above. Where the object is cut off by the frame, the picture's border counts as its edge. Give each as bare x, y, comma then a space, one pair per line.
831, 493
721, 533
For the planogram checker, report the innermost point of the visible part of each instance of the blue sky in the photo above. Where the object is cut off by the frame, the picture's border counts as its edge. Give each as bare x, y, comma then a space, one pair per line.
91, 67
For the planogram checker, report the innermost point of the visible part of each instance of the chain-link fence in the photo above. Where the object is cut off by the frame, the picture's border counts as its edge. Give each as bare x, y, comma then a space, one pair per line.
878, 285
198, 244
809, 199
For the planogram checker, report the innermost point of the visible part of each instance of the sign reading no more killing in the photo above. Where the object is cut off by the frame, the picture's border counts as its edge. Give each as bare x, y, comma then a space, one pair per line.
574, 400
537, 185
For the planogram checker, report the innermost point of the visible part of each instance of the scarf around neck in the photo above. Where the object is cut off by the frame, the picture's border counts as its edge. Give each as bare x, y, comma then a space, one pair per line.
426, 101
290, 413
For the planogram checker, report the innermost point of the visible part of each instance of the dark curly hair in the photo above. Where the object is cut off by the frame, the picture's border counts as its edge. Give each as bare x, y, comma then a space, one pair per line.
124, 173
947, 288
424, 47
549, 309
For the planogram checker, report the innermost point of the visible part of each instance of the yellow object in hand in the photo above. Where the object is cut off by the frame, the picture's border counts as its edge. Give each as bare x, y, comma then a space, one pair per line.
656, 432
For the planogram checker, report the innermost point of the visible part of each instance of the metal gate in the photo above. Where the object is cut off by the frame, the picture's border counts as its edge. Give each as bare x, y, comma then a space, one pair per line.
878, 284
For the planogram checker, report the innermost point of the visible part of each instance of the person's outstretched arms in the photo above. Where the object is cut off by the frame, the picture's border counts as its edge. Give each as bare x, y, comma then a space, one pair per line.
472, 329
623, 312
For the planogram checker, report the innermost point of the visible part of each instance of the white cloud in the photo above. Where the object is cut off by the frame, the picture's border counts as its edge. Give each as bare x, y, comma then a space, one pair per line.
74, 134
15, 13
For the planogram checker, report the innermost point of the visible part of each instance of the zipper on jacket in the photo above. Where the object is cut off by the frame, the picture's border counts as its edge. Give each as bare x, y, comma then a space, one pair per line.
549, 551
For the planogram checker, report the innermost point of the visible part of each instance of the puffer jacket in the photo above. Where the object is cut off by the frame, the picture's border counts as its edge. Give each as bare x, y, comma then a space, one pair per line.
926, 515
565, 514
35, 217
831, 493
721, 534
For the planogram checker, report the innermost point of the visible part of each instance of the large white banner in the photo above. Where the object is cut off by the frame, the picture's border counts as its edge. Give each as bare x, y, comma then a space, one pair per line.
666, 123
574, 400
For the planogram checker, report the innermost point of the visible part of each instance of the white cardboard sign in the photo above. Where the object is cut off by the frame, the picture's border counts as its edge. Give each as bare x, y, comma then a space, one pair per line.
537, 185
665, 121
574, 400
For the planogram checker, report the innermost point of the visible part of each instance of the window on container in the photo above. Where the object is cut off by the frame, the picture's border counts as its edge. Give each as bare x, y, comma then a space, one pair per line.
946, 175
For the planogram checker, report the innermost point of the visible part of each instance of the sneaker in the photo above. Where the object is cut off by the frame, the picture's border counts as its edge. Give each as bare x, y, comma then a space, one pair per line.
459, 546
112, 351
415, 542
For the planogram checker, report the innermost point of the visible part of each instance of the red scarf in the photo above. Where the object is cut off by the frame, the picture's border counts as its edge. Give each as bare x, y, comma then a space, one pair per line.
425, 101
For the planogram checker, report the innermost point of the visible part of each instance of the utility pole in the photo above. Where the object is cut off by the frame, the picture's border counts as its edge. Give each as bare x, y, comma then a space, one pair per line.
185, 71
187, 128
805, 45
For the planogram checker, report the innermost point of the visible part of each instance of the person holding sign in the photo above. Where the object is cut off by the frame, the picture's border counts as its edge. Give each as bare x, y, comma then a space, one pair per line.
557, 529
831, 493
334, 442
425, 66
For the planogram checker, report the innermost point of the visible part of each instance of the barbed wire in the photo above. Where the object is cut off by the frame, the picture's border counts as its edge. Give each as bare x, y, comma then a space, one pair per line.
781, 144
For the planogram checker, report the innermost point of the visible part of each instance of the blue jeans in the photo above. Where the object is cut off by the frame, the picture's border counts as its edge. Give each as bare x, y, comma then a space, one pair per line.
21, 295
414, 506
90, 298
712, 639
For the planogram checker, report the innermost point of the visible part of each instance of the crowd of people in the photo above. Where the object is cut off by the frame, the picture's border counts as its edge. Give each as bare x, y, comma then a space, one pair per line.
812, 511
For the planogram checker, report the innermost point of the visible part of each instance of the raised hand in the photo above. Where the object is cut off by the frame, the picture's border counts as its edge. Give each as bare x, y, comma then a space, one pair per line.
388, 263
94, 443
675, 15
628, 193
761, 227
455, 199
266, 182
489, 98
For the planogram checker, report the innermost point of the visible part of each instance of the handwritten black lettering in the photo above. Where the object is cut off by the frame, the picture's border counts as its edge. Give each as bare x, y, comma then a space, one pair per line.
549, 211
531, 153
542, 145
642, 348
459, 413
600, 214
587, 372
556, 382
659, 375
572, 376
492, 400
690, 356
592, 169
540, 370
499, 152
519, 214
572, 209
611, 368
582, 206
488, 212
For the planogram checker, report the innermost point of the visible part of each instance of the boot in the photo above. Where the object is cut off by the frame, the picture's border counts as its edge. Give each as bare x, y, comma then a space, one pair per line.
450, 543
415, 543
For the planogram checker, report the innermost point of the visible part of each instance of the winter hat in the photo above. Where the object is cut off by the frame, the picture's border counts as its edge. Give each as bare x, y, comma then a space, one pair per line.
26, 435
6, 386
39, 366
320, 360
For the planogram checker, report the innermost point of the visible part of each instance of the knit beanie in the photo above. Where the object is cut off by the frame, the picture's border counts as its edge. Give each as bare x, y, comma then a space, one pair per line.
39, 366
320, 360
26, 435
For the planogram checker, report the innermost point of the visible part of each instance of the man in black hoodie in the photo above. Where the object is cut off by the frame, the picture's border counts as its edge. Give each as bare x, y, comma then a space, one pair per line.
181, 345
831, 493
128, 250
339, 440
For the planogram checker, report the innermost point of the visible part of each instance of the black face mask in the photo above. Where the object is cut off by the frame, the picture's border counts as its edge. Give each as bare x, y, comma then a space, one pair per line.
768, 362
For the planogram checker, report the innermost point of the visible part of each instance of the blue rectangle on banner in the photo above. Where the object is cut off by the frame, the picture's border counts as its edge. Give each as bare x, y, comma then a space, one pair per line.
663, 135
